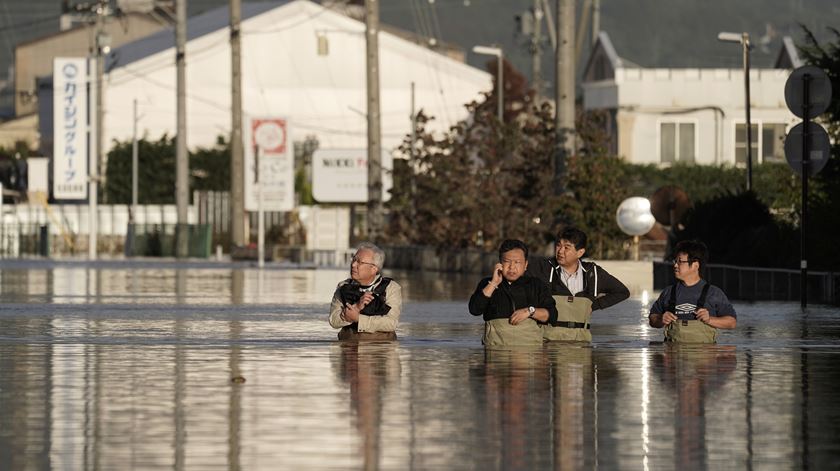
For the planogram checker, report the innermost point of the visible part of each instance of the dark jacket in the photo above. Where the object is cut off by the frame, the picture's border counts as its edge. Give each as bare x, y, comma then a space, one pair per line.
600, 287
508, 297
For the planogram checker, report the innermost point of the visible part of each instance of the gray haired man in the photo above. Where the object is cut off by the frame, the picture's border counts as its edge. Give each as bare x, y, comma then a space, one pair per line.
367, 305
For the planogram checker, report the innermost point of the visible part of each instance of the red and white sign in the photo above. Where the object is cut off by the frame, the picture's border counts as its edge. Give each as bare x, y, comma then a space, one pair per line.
267, 142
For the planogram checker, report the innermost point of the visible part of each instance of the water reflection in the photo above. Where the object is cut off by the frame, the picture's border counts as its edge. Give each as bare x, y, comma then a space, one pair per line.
693, 374
129, 369
369, 369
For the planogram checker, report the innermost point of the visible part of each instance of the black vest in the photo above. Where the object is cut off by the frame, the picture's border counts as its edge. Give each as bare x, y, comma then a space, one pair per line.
351, 291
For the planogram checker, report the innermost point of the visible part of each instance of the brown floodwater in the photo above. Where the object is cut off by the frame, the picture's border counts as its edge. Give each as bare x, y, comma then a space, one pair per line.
130, 366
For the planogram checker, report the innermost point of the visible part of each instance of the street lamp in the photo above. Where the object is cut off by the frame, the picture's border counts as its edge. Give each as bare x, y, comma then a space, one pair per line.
744, 40
500, 82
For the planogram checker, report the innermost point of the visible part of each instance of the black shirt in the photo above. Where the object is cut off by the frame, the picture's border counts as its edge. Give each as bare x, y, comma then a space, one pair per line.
508, 297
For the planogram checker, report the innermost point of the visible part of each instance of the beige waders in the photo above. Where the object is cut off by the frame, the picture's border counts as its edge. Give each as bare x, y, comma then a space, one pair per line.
573, 317
690, 331
500, 332
351, 332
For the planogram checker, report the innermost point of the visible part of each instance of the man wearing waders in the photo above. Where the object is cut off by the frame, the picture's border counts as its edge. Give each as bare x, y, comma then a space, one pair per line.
578, 287
513, 305
692, 310
367, 305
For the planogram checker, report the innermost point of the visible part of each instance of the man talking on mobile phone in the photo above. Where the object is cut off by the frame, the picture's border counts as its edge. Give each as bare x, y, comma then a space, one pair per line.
513, 306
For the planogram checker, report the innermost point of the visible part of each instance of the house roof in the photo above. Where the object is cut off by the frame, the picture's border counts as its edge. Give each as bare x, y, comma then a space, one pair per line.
197, 27
604, 59
788, 57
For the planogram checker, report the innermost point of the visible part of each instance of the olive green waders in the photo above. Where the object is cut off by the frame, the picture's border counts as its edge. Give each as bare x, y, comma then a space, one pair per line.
351, 332
500, 332
690, 331
573, 317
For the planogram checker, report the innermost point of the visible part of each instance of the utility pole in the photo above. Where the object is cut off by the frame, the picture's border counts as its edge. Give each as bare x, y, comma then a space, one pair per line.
412, 164
374, 207
536, 51
745, 41
132, 210
135, 157
237, 161
596, 20
182, 164
97, 156
564, 89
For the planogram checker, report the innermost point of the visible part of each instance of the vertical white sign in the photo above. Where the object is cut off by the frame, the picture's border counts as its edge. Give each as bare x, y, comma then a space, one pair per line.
70, 140
269, 137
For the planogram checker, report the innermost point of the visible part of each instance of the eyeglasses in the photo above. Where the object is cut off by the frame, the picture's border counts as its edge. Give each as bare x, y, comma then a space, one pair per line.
680, 262
356, 260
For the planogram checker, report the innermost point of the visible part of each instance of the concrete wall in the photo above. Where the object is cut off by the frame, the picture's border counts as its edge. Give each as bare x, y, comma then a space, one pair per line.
75, 218
637, 276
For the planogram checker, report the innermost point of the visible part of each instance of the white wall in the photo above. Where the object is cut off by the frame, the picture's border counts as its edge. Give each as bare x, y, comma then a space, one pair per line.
75, 218
644, 98
284, 76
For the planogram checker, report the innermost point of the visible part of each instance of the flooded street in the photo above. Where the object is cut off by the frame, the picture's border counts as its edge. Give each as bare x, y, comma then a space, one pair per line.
129, 366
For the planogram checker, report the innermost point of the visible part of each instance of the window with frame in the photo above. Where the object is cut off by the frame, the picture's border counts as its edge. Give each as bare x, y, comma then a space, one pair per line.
741, 143
677, 142
768, 142
773, 142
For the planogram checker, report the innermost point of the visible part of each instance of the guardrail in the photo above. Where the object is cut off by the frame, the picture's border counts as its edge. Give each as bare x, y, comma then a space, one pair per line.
760, 284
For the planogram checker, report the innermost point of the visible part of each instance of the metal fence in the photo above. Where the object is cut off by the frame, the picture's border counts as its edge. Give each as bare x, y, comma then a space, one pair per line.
18, 239
760, 284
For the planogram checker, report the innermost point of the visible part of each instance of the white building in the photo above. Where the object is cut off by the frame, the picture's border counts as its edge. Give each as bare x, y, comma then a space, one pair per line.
301, 61
664, 115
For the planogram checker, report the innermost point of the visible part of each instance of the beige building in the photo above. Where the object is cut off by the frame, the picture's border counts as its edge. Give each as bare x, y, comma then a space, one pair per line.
34, 58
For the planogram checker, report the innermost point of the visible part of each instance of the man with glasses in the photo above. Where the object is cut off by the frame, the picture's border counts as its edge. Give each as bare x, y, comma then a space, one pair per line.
513, 306
367, 305
578, 287
692, 310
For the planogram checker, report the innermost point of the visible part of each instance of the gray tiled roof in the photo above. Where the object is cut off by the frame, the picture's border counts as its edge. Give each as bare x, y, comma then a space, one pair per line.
197, 27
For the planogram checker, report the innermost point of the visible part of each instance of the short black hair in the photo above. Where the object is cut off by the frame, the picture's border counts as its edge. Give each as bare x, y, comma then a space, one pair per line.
573, 235
694, 249
511, 244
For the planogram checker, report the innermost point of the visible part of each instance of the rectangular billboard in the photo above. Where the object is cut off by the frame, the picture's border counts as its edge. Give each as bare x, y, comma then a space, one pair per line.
70, 128
341, 175
270, 138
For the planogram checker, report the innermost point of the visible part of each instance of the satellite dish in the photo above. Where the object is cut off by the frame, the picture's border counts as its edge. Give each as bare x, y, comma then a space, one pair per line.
669, 205
634, 216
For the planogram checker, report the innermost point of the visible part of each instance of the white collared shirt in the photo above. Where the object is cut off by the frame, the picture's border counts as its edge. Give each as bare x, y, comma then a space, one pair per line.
573, 281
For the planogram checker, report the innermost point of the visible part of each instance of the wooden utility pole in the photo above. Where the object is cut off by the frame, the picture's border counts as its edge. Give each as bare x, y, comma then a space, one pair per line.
237, 161
97, 155
564, 88
182, 164
375, 220
536, 51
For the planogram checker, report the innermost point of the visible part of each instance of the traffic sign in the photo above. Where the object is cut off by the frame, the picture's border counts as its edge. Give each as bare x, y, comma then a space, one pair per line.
819, 148
819, 91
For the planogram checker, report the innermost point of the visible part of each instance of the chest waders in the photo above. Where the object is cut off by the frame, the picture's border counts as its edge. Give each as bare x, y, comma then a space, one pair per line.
500, 332
573, 316
689, 330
